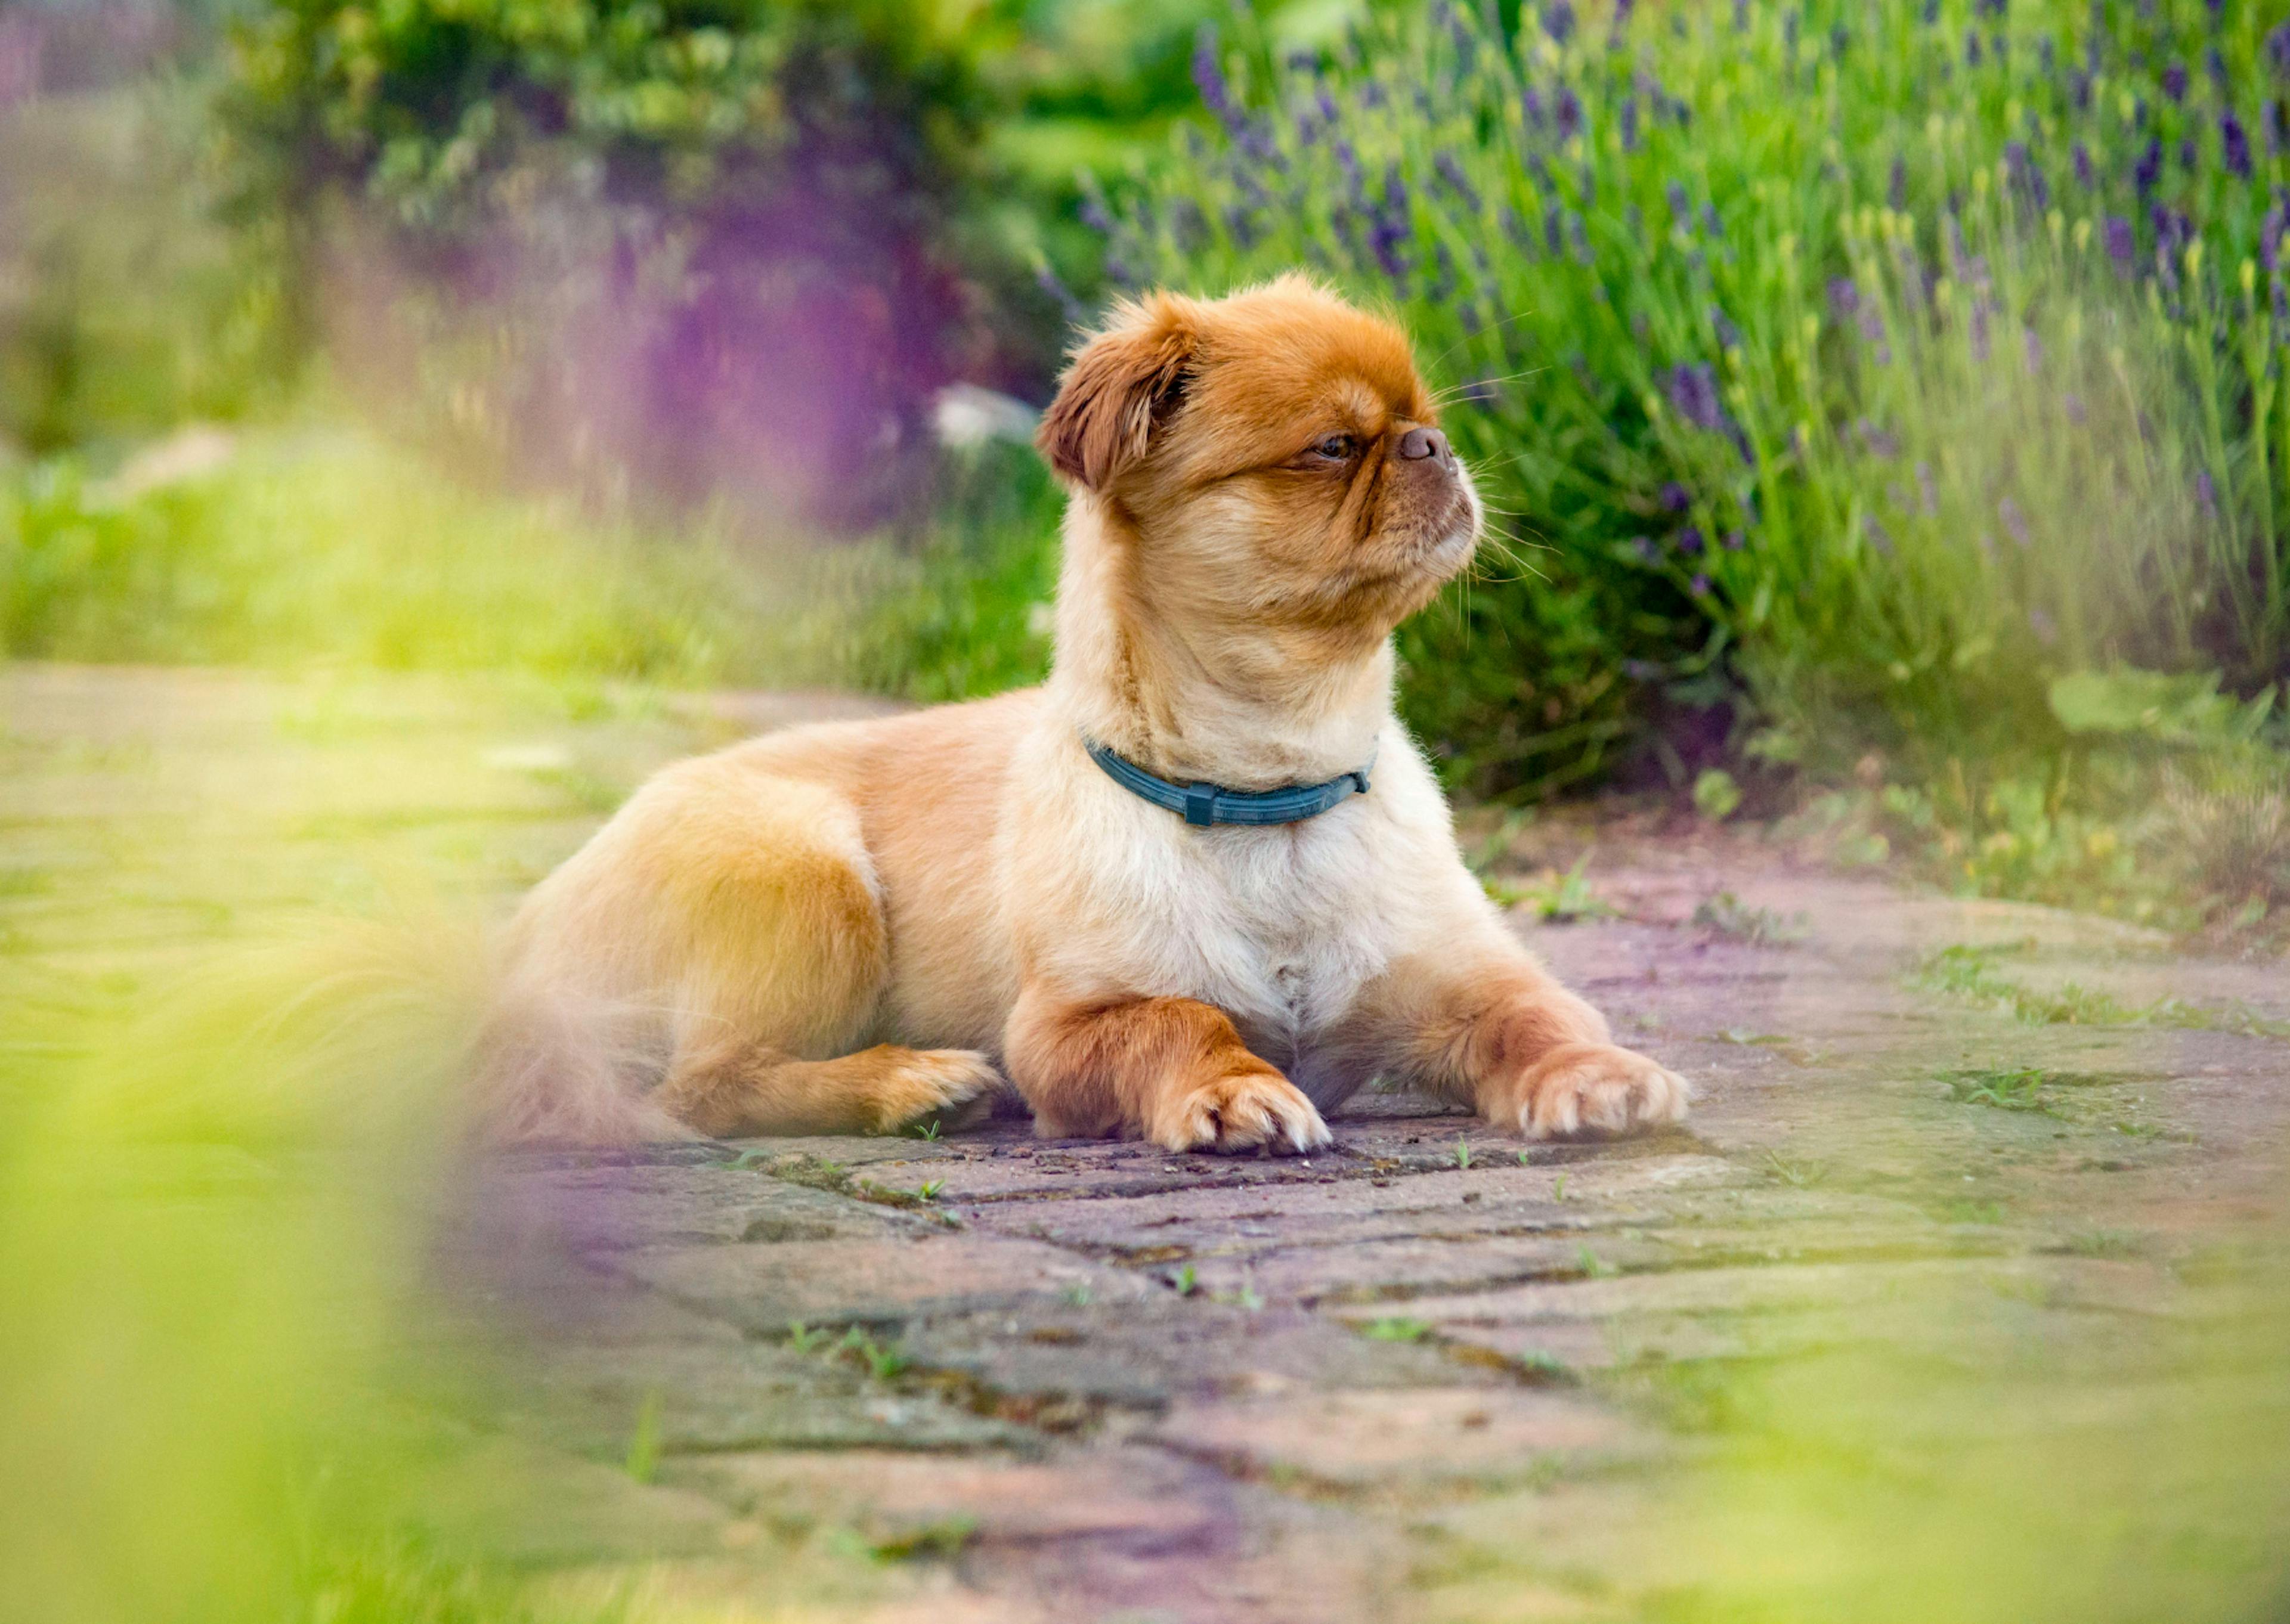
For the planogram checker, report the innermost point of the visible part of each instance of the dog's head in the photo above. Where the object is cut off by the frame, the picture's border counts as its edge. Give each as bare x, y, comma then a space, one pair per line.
1270, 456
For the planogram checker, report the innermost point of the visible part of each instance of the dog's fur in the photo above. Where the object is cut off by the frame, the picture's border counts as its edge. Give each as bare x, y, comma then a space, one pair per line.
848, 927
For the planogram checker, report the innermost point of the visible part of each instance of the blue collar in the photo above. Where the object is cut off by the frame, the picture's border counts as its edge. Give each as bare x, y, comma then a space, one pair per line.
1204, 804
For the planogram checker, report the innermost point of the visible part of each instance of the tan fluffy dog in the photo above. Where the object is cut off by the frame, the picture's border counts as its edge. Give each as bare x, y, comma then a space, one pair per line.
1259, 495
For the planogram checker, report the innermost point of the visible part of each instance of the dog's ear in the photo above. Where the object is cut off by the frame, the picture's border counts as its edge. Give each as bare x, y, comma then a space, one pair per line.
1124, 377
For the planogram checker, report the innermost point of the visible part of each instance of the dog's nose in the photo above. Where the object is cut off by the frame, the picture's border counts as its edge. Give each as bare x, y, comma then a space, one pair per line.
1418, 443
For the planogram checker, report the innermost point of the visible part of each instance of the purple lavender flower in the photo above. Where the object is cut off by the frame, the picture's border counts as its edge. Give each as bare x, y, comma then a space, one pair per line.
1676, 498
1690, 542
2016, 522
1710, 223
1897, 185
2215, 64
1700, 585
1559, 22
2277, 51
1930, 12
1930, 492
1972, 48
2120, 244
2234, 145
2082, 165
1694, 393
2206, 493
1643, 547
1844, 296
1208, 76
1533, 102
1553, 224
2191, 157
1989, 8
2025, 174
2032, 351
1629, 124
1879, 537
1450, 171
2047, 629
1729, 336
1681, 206
1515, 230
1570, 112
2270, 231
1390, 226
2148, 170
1581, 238
2072, 404
1736, 541
2174, 81
1880, 442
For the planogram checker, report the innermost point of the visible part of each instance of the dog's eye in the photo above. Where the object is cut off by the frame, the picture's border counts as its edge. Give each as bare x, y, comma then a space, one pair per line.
1335, 448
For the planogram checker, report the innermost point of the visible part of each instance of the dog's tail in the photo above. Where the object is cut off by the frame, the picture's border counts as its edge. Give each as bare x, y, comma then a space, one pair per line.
552, 1064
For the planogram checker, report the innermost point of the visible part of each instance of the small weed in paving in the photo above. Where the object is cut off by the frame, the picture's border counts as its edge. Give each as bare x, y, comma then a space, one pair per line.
643, 1457
1969, 973
1396, 1328
2004, 1091
1462, 1152
882, 1362
2102, 1244
943, 1540
803, 1340
1728, 916
1562, 899
1591, 1264
1185, 1281
1795, 1172
927, 1130
1543, 1366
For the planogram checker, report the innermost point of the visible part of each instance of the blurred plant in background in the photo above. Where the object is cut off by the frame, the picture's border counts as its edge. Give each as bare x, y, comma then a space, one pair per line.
1867, 365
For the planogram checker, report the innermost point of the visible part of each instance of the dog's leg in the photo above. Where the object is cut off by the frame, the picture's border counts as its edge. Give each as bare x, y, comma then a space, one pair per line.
1172, 1070
734, 916
730, 1090
1489, 1028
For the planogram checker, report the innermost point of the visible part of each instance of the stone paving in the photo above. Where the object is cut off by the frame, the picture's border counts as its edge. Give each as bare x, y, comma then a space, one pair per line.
1406, 1378
1429, 1374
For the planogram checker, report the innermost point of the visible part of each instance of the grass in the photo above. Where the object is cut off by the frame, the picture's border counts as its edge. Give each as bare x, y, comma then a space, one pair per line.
1727, 915
319, 547
1396, 1328
2005, 1091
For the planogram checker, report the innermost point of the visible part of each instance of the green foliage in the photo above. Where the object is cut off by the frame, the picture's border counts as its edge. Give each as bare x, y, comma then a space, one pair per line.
1396, 1328
1716, 795
1798, 333
124, 307
2005, 1091
1728, 916
333, 549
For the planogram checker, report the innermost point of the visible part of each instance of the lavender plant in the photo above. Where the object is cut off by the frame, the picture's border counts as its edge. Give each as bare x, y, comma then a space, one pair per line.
1892, 357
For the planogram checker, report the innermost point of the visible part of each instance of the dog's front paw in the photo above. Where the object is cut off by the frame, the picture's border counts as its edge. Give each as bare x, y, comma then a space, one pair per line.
1589, 1091
1245, 1110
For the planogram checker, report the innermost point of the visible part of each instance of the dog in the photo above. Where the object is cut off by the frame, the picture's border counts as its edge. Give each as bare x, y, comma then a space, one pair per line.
1197, 888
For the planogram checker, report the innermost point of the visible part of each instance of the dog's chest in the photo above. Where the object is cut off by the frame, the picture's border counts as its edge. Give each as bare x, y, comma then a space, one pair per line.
1281, 926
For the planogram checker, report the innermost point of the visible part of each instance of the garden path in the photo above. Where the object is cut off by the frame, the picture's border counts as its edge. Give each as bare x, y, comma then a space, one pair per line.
1916, 1225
